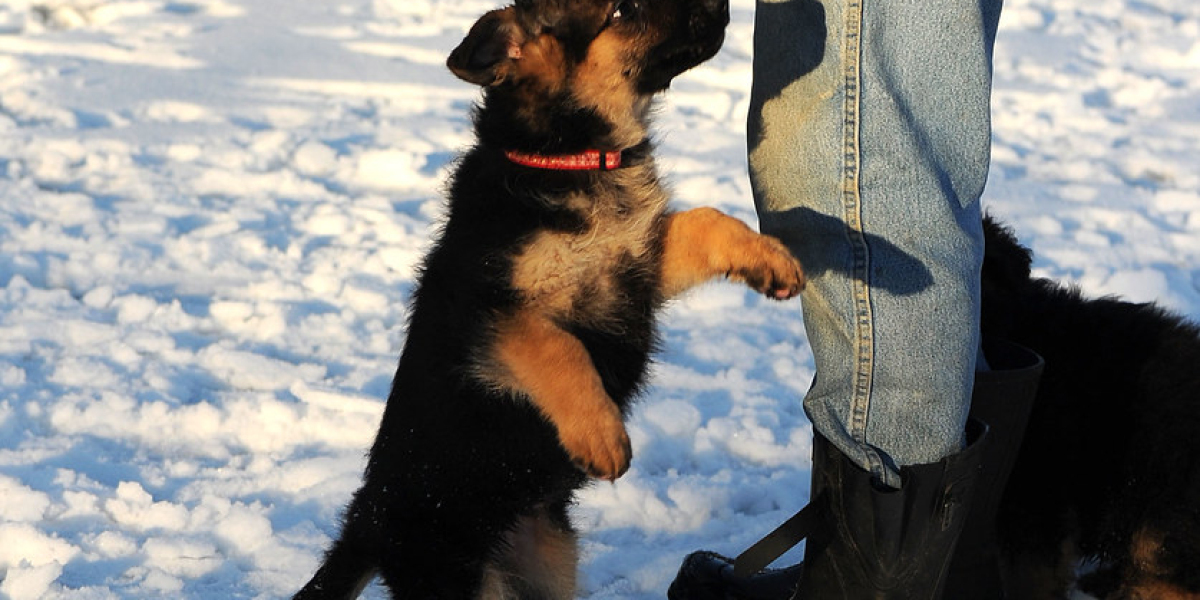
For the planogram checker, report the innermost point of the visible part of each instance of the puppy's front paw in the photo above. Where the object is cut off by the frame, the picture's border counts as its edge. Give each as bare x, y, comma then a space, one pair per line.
600, 447
771, 269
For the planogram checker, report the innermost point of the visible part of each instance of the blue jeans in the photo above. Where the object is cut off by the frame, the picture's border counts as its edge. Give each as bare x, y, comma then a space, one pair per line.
869, 138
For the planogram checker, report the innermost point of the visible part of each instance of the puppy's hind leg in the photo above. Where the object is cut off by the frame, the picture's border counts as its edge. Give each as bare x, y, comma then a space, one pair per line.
538, 562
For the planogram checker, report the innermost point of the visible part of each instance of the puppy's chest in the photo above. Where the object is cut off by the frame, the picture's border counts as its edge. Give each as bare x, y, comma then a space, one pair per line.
581, 274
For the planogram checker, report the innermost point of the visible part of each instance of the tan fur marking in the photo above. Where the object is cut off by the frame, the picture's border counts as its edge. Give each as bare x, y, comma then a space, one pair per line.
543, 55
1143, 551
538, 556
569, 275
554, 370
602, 82
542, 71
1157, 590
704, 243
1144, 579
495, 585
544, 555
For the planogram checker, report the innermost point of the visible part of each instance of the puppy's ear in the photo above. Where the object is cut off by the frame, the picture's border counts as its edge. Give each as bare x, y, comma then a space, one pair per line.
1006, 263
491, 46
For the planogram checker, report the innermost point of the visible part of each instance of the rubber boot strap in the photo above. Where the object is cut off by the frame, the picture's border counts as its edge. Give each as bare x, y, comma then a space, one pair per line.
764, 552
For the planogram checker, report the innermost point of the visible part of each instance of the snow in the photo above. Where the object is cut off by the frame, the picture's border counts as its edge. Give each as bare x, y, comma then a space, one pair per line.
210, 213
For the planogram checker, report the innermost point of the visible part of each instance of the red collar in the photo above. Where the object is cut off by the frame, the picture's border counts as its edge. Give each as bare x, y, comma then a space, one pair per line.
588, 160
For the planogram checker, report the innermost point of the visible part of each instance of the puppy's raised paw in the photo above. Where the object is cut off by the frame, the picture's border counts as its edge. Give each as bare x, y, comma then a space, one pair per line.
771, 269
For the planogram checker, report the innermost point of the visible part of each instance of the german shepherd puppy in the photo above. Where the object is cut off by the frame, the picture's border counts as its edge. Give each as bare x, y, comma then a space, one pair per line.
1109, 469
534, 315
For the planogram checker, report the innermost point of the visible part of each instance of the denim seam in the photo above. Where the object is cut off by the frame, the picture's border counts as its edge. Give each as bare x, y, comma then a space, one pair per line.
864, 337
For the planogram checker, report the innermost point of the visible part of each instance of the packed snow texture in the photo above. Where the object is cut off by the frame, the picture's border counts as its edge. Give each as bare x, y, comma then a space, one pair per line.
210, 213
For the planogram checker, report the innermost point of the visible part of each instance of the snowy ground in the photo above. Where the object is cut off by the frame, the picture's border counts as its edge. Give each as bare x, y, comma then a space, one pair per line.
209, 215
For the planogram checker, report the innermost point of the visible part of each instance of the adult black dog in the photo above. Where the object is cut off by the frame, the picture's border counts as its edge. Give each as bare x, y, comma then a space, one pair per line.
1109, 470
533, 319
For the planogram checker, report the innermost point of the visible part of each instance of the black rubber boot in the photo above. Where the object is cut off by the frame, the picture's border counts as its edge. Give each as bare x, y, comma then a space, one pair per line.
889, 544
864, 540
709, 576
1003, 398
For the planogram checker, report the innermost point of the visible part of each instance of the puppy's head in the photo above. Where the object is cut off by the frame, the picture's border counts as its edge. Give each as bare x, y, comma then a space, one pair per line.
548, 58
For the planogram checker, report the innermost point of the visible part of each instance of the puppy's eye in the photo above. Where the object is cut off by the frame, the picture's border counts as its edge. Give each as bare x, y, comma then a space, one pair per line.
623, 9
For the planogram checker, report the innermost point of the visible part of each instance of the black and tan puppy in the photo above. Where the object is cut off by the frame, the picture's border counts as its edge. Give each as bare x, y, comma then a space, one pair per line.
533, 320
1109, 470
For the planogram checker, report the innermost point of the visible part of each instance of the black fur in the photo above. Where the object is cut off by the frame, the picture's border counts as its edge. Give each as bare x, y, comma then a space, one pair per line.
1111, 456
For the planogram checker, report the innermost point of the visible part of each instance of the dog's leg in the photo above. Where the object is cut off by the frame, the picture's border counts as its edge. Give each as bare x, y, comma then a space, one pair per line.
539, 561
704, 243
552, 368
546, 555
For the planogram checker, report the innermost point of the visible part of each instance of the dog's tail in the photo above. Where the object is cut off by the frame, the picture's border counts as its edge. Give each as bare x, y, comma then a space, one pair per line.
347, 569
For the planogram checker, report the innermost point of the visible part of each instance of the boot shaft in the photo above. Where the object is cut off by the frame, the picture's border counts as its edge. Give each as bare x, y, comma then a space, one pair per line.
886, 543
1003, 398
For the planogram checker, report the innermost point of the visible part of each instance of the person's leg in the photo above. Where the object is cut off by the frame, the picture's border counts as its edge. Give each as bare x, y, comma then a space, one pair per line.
869, 140
868, 155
